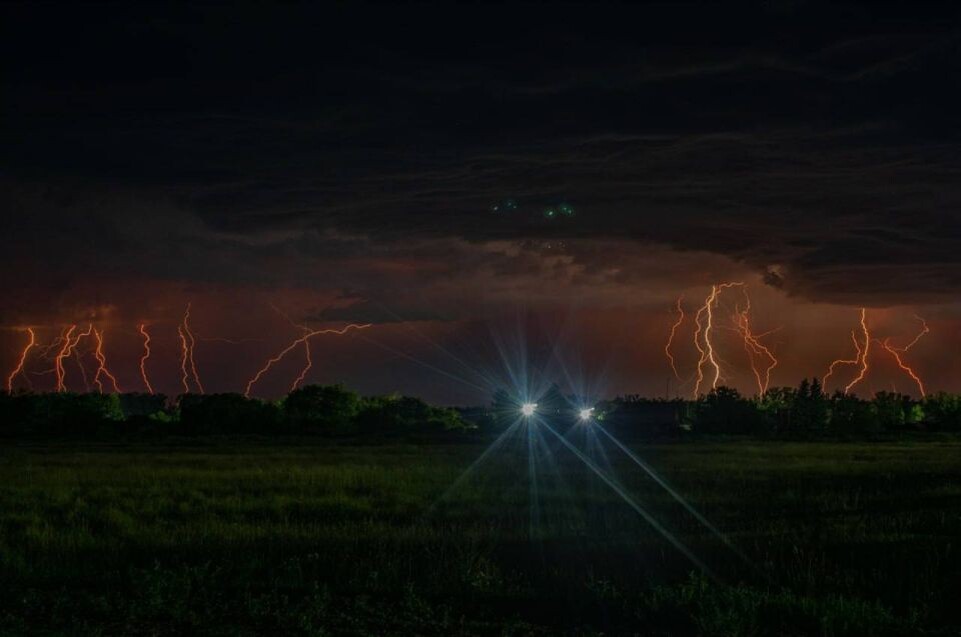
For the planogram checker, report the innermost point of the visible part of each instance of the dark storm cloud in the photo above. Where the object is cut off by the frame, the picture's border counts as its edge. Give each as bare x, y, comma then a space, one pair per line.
368, 312
257, 145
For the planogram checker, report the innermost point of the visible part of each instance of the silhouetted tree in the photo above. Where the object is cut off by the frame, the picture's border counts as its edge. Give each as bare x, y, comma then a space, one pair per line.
809, 413
724, 410
137, 404
942, 411
228, 413
851, 415
777, 408
891, 410
395, 414
59, 413
328, 409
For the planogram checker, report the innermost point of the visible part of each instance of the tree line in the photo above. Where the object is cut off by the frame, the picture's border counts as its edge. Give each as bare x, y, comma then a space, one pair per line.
314, 409
333, 410
803, 411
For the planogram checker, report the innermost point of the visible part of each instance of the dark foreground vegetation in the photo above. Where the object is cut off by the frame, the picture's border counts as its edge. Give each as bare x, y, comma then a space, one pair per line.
209, 536
804, 412
312, 410
331, 513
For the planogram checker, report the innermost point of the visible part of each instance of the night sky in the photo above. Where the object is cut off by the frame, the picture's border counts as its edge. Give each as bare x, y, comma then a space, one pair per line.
484, 184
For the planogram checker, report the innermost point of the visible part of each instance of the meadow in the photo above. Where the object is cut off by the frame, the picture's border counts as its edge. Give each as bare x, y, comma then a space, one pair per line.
242, 537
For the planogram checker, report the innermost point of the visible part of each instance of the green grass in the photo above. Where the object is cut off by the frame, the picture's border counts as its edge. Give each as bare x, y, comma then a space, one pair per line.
239, 538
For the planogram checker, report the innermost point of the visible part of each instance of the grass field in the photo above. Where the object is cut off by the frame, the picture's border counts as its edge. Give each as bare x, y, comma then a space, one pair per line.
235, 538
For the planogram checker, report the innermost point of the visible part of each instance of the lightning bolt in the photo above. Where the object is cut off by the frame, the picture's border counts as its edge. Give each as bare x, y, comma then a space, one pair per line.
302, 340
753, 346
185, 375
45, 352
897, 351
31, 343
308, 361
143, 359
861, 358
70, 342
65, 338
703, 333
303, 372
842, 361
670, 338
863, 352
188, 342
102, 364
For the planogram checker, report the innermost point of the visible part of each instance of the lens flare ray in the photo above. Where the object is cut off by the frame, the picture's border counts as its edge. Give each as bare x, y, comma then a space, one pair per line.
674, 494
630, 501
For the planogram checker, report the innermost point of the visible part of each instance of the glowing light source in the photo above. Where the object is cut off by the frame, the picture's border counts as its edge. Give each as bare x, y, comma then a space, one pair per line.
528, 409
586, 413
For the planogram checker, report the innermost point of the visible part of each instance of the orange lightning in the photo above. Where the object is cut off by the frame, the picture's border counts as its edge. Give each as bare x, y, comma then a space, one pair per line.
70, 342
61, 354
843, 361
143, 359
303, 373
670, 339
897, 351
188, 343
185, 375
863, 357
102, 365
45, 352
23, 359
308, 361
754, 347
703, 332
303, 339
